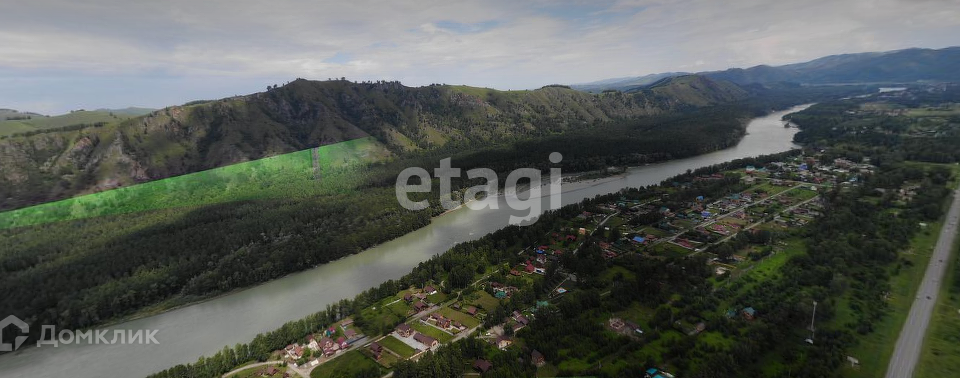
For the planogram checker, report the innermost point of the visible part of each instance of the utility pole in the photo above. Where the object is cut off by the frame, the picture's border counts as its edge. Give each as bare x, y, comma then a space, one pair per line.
813, 329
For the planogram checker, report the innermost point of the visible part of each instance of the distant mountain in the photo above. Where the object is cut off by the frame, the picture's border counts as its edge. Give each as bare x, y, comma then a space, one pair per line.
900, 66
624, 83
59, 163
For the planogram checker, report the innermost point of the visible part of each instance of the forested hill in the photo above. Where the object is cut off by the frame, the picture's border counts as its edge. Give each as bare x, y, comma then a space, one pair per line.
52, 164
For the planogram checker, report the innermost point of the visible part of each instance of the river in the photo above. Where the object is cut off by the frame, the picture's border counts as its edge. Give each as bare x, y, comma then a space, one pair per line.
186, 333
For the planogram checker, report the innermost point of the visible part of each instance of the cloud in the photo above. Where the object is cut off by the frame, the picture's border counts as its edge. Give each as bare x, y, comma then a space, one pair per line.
243, 45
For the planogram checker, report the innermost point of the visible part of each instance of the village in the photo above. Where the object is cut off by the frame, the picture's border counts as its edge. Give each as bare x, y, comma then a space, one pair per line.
777, 197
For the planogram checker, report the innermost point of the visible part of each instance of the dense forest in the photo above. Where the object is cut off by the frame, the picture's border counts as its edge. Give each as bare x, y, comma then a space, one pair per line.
892, 126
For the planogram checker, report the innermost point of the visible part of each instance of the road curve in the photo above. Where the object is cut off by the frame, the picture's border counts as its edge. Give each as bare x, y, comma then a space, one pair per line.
907, 351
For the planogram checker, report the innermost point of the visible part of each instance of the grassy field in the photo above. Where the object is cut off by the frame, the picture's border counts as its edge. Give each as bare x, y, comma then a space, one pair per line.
255, 372
484, 301
387, 360
935, 112
265, 178
347, 365
383, 315
8, 127
464, 319
396, 346
940, 356
431, 331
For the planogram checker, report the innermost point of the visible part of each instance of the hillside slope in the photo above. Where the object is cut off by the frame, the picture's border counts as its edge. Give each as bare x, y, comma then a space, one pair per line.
302, 114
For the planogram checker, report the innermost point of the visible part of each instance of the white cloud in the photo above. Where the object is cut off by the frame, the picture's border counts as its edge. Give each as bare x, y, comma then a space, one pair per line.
246, 44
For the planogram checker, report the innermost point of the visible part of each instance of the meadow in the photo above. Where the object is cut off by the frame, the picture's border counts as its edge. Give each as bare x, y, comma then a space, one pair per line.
35, 122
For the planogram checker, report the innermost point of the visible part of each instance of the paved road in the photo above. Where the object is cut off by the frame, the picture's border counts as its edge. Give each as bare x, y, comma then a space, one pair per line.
907, 351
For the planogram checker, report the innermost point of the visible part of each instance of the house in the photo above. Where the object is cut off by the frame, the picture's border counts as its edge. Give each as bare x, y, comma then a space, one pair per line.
537, 358
270, 371
700, 327
350, 333
326, 342
443, 323
749, 313
346, 323
430, 290
529, 267
425, 340
375, 347
404, 330
408, 297
342, 342
503, 342
633, 327
616, 324
482, 366
472, 311
521, 320
420, 306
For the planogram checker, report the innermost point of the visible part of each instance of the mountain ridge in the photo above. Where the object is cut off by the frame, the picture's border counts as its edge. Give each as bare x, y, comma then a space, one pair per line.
895, 66
60, 163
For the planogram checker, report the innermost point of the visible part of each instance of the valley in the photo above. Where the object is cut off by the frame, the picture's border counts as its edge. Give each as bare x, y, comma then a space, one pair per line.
479, 189
205, 327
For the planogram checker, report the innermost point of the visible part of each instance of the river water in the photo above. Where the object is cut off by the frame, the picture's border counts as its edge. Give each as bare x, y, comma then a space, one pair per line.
187, 333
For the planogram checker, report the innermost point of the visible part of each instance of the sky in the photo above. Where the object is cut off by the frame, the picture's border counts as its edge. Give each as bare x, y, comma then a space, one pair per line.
61, 55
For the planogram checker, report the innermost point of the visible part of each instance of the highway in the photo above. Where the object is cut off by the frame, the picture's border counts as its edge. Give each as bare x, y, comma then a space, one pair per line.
907, 352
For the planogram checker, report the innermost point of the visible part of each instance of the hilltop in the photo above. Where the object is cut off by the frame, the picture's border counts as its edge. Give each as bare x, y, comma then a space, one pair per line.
49, 164
15, 122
